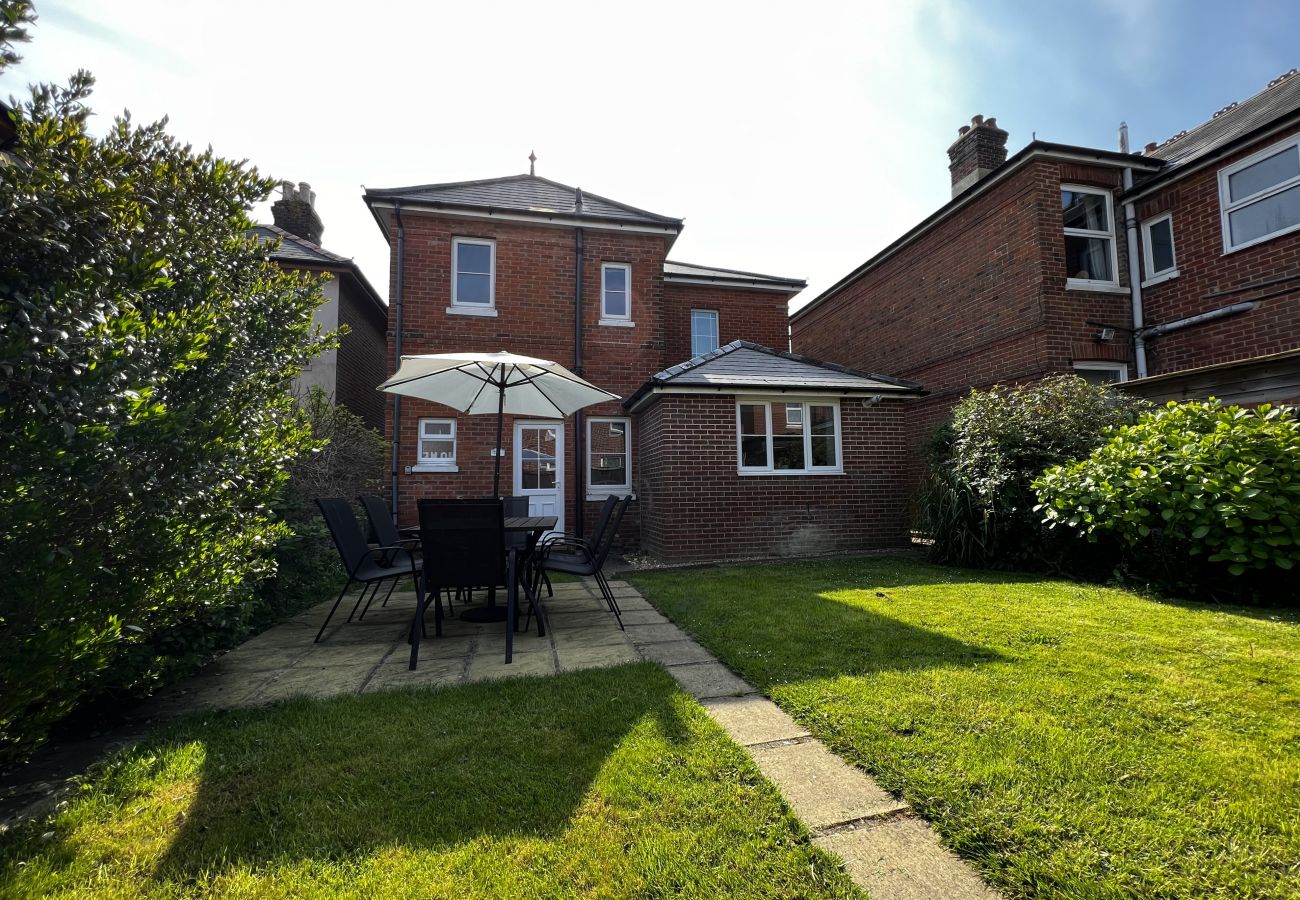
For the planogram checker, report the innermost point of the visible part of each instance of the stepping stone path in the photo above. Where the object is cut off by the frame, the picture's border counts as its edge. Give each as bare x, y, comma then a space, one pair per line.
887, 850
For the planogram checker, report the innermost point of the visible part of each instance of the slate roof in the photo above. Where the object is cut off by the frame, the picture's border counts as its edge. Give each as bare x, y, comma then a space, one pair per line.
1280, 97
523, 194
732, 276
297, 250
744, 364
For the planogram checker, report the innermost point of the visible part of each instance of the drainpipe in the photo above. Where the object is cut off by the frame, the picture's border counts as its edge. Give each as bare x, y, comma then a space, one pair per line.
397, 347
1134, 278
580, 472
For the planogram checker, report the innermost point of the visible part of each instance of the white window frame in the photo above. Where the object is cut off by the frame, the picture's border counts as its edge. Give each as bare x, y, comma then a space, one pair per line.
1102, 366
434, 465
717, 330
606, 318
1148, 259
600, 491
809, 469
1094, 284
473, 309
1226, 207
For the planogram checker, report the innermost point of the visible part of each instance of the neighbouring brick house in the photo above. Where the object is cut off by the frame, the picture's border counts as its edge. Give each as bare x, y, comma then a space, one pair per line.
1027, 271
350, 373
531, 266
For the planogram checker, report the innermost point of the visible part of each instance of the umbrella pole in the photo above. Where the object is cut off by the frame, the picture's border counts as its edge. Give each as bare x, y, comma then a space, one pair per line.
496, 473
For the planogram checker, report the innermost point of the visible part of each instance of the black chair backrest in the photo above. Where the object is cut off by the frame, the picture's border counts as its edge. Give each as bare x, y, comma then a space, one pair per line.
601, 550
342, 522
603, 522
515, 506
381, 520
463, 542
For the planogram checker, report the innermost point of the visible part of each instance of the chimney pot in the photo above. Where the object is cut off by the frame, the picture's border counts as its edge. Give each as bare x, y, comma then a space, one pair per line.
961, 132
976, 121
980, 148
1151, 147
295, 212
991, 122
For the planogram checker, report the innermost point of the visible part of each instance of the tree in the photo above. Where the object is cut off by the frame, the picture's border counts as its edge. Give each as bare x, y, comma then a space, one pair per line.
146, 349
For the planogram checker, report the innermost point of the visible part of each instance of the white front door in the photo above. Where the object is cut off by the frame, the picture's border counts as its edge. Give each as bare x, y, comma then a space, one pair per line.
539, 468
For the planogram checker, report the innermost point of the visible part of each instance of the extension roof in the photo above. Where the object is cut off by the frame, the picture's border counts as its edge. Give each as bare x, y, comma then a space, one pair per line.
689, 273
528, 195
744, 365
300, 252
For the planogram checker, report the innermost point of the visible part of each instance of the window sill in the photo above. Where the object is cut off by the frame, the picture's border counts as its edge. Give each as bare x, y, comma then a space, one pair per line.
617, 323
1100, 287
770, 472
1161, 278
421, 469
599, 496
472, 311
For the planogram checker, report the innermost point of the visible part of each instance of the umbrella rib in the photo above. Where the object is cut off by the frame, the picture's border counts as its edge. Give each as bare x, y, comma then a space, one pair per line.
548, 399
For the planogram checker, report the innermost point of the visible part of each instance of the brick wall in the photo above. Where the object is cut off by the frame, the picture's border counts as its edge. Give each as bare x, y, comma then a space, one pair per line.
695, 507
362, 354
1204, 269
758, 316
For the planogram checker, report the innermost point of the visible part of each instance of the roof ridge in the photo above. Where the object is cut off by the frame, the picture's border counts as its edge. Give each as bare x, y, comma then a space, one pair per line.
696, 361
1187, 132
285, 234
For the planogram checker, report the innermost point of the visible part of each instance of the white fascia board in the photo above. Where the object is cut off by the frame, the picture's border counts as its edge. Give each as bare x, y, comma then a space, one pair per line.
794, 392
717, 282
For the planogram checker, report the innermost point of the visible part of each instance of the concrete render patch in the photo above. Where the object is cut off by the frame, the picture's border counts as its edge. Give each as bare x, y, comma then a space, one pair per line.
822, 789
753, 720
711, 679
901, 859
676, 653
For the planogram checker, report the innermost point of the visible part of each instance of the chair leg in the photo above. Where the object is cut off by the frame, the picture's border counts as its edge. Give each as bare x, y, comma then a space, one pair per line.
389, 594
373, 595
609, 597
361, 596
550, 592
333, 608
417, 624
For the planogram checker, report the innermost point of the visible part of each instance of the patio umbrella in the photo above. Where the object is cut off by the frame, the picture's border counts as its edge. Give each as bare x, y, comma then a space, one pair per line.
500, 383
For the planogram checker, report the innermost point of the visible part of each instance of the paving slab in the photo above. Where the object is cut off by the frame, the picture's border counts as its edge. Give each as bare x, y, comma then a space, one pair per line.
315, 681
345, 654
753, 720
821, 788
242, 661
395, 673
675, 653
574, 658
902, 859
655, 634
643, 617
705, 680
486, 665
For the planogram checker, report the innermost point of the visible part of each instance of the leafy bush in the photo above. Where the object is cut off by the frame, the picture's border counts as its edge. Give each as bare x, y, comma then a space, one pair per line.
146, 347
977, 502
1194, 491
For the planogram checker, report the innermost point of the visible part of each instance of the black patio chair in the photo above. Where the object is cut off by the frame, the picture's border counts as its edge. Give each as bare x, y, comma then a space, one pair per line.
518, 507
571, 554
385, 533
371, 566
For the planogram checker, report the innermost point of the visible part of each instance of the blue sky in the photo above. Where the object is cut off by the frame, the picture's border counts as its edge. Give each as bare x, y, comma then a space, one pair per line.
796, 139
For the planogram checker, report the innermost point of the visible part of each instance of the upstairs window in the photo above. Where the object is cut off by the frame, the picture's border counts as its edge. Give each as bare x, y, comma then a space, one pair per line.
704, 331
437, 446
1101, 372
609, 456
783, 438
1089, 238
1158, 248
473, 275
615, 294
1260, 196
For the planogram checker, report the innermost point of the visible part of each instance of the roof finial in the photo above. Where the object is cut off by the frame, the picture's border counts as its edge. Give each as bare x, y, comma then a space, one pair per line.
532, 163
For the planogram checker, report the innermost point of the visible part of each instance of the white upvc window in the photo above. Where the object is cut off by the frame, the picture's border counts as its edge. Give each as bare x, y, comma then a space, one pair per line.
1088, 219
1159, 263
704, 331
615, 294
780, 437
473, 277
1102, 372
609, 456
1259, 197
436, 447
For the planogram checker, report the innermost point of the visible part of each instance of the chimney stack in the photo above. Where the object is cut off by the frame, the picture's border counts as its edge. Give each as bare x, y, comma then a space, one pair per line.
295, 211
980, 148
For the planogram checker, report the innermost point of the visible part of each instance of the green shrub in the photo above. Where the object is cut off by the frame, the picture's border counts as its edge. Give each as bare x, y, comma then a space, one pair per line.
1194, 492
977, 502
146, 426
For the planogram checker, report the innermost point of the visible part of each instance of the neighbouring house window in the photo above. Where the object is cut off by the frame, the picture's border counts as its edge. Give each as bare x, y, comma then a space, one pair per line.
609, 456
615, 294
1260, 196
437, 445
1089, 238
473, 274
779, 437
1158, 247
704, 331
1101, 372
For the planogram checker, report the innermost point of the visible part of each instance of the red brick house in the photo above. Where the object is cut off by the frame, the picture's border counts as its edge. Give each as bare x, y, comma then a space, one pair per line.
350, 373
1176, 270
531, 266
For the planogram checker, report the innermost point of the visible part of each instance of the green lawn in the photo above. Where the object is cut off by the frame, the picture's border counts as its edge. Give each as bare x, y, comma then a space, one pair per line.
1071, 740
607, 783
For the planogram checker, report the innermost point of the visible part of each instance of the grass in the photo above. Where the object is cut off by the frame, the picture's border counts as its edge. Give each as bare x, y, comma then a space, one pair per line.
1071, 740
607, 783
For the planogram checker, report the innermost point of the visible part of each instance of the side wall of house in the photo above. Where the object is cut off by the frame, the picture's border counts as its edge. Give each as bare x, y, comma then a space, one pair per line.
322, 372
362, 364
695, 507
1208, 279
758, 316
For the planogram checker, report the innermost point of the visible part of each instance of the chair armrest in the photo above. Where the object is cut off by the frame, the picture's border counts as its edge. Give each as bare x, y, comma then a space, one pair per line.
566, 542
388, 556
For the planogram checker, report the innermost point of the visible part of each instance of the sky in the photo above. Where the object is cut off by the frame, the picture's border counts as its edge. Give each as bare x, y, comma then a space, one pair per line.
795, 139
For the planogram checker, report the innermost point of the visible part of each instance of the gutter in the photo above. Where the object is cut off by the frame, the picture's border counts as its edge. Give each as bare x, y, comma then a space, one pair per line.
579, 465
1134, 278
397, 350
1220, 313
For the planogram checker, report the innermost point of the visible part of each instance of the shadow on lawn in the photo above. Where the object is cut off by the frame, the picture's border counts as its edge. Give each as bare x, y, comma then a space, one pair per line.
331, 780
